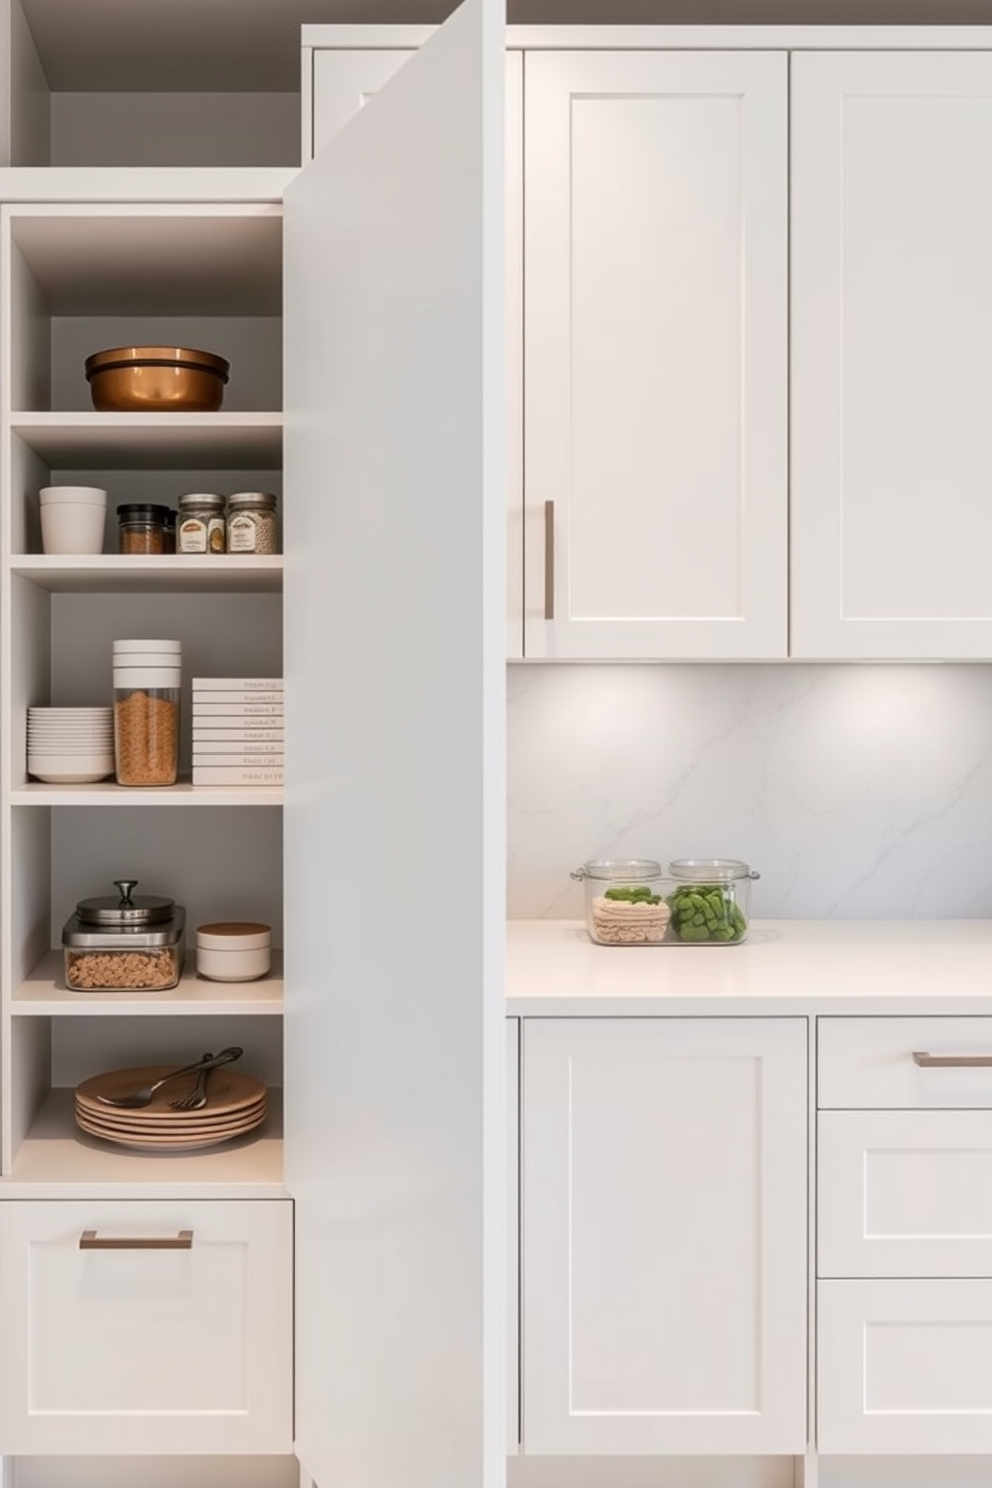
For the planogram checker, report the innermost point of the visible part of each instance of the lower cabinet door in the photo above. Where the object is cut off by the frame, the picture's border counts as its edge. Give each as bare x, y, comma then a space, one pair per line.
904, 1367
146, 1327
664, 1251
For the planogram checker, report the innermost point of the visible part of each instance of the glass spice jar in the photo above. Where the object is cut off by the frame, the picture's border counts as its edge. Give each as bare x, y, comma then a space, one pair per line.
170, 531
251, 522
141, 527
201, 527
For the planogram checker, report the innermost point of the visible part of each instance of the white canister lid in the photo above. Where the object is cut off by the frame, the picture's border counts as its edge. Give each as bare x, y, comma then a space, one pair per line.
121, 647
72, 496
234, 935
145, 676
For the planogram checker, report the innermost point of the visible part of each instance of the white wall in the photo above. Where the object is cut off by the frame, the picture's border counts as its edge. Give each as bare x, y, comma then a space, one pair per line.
856, 791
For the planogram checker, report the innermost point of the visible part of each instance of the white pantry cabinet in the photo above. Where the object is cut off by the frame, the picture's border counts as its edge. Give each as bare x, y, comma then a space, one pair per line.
664, 1236
396, 1170
655, 354
891, 525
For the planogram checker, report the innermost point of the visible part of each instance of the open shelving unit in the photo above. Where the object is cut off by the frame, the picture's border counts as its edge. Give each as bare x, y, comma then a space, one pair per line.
80, 277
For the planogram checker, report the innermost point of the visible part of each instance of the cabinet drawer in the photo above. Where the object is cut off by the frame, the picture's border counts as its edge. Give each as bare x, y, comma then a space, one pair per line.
905, 1367
869, 1063
904, 1193
147, 1327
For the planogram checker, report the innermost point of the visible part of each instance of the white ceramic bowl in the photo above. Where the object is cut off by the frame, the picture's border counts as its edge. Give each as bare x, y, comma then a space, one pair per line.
72, 528
233, 951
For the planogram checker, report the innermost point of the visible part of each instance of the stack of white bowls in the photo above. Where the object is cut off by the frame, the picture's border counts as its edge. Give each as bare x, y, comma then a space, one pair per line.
70, 746
72, 518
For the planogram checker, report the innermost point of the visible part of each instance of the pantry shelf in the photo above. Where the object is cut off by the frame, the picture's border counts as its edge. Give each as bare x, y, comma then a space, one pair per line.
69, 1163
44, 994
162, 441
113, 573
107, 793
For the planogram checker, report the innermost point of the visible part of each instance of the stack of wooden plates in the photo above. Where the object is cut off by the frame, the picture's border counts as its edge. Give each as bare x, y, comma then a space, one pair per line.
235, 1105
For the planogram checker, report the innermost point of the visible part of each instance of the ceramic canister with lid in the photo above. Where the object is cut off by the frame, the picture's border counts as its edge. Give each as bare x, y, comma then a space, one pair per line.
625, 901
147, 680
124, 943
233, 950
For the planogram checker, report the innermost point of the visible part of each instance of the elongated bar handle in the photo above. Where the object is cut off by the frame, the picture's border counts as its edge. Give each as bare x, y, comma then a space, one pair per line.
90, 1240
951, 1061
549, 560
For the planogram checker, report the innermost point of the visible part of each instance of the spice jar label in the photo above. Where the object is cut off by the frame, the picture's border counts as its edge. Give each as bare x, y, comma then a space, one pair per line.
199, 536
241, 534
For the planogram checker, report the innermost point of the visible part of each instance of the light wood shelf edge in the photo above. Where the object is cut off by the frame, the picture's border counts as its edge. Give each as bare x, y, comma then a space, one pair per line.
45, 994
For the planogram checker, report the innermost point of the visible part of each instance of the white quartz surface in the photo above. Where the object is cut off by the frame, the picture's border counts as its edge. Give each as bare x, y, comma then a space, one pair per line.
785, 966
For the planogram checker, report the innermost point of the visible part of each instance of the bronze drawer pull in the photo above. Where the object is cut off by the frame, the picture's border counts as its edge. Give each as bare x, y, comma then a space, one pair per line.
90, 1240
952, 1061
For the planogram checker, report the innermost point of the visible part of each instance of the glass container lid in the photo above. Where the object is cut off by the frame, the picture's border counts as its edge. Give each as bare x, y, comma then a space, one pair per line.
710, 870
110, 909
616, 870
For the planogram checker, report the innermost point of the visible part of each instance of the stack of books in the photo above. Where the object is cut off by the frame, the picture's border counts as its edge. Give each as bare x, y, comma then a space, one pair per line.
237, 731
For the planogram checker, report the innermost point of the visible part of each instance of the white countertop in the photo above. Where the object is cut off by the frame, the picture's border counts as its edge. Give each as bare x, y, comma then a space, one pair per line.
785, 966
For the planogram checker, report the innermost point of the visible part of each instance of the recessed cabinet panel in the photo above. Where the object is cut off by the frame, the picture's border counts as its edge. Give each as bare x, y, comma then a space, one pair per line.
664, 1225
904, 1367
891, 379
904, 1193
150, 1327
655, 251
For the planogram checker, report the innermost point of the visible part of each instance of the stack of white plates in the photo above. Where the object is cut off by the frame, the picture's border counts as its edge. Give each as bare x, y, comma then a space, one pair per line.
70, 746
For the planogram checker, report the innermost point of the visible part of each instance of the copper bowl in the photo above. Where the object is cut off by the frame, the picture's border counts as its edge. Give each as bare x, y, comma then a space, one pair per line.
156, 379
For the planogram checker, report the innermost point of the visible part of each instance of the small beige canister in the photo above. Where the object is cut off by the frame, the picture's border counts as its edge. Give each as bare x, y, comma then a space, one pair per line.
233, 950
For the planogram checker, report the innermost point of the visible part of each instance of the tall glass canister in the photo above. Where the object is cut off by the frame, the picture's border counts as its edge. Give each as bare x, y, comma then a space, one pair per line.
147, 682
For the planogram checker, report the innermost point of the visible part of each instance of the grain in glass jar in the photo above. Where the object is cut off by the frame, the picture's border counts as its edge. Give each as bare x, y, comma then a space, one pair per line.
147, 680
141, 527
201, 527
251, 522
170, 531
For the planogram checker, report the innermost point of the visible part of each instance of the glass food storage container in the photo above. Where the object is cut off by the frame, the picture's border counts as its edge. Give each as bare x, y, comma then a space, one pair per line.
120, 943
147, 679
711, 902
625, 901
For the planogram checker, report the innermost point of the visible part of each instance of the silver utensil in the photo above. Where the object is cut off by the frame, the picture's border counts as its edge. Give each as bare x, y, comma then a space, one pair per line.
197, 1097
144, 1094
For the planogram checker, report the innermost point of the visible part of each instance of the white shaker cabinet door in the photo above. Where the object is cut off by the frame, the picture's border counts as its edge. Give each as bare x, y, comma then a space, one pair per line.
891, 374
904, 1367
655, 332
343, 82
395, 1141
664, 1236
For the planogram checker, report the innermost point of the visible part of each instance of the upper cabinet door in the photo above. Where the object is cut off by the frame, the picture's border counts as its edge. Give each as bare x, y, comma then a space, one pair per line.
891, 372
394, 593
655, 330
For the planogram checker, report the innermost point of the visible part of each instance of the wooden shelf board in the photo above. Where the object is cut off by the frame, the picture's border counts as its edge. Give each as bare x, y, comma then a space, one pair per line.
64, 1162
163, 441
119, 574
107, 793
45, 994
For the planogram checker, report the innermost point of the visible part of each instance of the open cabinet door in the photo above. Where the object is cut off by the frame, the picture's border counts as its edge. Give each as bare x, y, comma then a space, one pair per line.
395, 861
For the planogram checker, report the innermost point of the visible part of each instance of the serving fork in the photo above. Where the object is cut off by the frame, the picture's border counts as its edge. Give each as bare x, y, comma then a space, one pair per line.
144, 1094
197, 1097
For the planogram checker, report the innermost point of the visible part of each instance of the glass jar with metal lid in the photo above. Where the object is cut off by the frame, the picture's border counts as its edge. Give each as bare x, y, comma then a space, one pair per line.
124, 943
141, 527
625, 901
711, 900
201, 526
251, 522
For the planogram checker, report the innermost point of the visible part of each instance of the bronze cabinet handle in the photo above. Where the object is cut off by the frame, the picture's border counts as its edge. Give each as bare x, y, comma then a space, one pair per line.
951, 1061
90, 1240
549, 560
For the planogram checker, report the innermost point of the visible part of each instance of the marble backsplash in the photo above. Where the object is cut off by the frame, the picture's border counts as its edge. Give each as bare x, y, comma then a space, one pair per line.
857, 791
